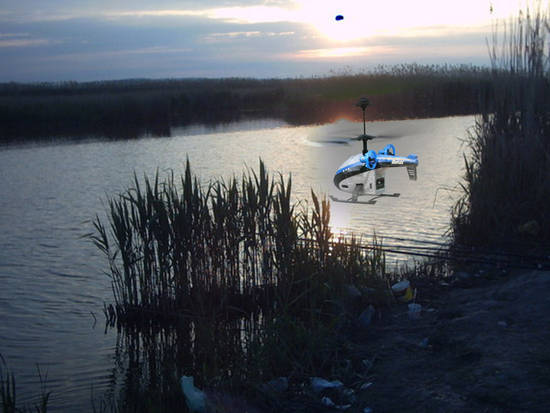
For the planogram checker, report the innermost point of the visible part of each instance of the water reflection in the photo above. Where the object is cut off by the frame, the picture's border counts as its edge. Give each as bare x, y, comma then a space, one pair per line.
149, 361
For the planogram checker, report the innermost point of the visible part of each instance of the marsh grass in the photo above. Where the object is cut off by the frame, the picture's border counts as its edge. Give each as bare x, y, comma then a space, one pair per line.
8, 393
507, 172
8, 396
177, 247
128, 109
232, 282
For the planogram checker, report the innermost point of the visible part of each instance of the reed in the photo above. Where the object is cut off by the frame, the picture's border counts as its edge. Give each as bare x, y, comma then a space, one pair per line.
7, 388
8, 394
506, 186
178, 247
133, 108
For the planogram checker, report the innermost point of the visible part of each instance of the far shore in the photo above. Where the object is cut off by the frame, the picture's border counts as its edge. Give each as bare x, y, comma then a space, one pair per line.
128, 109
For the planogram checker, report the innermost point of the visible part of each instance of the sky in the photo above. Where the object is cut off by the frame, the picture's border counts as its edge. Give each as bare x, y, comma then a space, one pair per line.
66, 40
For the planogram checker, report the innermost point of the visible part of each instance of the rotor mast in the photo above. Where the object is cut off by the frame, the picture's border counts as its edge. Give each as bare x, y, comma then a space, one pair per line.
363, 103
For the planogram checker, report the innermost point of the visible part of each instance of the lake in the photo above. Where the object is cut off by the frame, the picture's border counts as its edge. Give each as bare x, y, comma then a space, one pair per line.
53, 281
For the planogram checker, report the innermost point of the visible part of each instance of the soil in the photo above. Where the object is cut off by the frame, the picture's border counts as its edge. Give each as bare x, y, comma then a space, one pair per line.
480, 345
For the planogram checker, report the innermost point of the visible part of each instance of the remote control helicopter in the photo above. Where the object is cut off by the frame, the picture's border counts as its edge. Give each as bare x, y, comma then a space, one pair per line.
365, 173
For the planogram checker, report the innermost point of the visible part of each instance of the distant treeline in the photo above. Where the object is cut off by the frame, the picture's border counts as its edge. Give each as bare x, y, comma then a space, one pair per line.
137, 107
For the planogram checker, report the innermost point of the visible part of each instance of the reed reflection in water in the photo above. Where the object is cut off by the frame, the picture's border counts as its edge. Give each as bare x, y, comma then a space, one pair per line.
149, 362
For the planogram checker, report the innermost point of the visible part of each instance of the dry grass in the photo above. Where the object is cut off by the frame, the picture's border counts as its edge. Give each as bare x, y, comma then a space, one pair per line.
507, 179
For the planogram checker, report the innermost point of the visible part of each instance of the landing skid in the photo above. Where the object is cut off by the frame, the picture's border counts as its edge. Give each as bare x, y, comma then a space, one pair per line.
354, 199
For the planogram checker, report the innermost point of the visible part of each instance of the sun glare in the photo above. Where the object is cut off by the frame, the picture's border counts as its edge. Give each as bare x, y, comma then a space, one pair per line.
366, 18
359, 18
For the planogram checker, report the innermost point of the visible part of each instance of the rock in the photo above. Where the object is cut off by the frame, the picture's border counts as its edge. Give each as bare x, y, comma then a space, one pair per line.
319, 384
365, 318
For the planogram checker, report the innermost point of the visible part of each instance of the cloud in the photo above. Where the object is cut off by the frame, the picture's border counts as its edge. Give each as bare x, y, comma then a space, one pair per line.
224, 37
331, 53
62, 39
23, 42
17, 40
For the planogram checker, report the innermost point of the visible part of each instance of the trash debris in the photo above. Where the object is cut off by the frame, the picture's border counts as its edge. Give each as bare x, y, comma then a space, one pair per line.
414, 311
402, 291
319, 384
329, 403
194, 398
365, 386
367, 410
365, 318
502, 323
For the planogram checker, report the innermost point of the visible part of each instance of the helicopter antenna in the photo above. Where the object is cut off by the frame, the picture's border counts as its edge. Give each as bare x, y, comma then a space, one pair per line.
363, 103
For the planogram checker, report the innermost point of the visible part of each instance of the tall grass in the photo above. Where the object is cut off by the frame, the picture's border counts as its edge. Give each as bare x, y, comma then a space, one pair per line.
177, 246
8, 393
506, 186
231, 282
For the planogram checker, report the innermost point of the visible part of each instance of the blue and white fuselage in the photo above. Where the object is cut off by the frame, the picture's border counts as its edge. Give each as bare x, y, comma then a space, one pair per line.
365, 174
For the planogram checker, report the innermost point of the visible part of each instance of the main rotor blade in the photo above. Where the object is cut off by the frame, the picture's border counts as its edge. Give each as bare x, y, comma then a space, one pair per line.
370, 137
327, 142
346, 140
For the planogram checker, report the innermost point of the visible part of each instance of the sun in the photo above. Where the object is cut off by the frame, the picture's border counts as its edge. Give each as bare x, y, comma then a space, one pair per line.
366, 18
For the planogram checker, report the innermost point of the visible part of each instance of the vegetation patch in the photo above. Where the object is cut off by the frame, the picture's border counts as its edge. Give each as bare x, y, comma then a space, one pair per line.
506, 185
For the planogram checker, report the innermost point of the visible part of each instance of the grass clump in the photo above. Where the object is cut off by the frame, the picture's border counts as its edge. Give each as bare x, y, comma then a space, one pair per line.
231, 282
507, 181
8, 394
176, 247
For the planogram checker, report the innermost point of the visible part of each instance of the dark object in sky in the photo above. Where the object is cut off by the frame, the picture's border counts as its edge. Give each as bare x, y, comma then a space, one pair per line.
339, 17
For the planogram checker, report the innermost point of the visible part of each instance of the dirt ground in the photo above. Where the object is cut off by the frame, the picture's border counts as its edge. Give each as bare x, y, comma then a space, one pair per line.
481, 345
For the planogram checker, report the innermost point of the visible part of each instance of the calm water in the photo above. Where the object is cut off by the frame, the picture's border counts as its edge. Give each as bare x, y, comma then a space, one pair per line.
52, 281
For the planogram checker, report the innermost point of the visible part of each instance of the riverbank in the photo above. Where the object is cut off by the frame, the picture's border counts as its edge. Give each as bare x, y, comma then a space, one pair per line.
480, 345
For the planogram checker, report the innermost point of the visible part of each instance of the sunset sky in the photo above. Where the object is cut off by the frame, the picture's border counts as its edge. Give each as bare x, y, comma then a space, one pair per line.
51, 40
